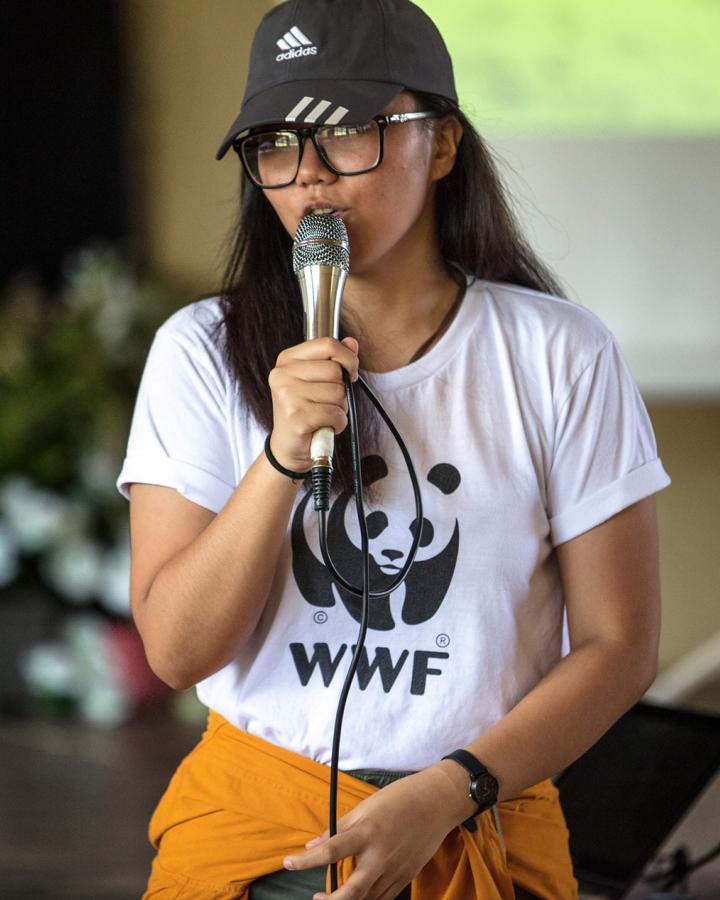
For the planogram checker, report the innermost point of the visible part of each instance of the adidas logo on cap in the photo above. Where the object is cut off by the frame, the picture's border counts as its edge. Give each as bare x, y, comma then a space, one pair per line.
295, 44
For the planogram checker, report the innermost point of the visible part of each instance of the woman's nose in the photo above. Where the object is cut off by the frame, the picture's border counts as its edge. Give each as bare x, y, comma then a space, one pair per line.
312, 168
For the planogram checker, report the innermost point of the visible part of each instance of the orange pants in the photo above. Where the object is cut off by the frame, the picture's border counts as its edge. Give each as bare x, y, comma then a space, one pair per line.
237, 805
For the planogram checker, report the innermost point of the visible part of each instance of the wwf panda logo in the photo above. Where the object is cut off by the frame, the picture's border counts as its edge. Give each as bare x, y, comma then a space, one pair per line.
427, 581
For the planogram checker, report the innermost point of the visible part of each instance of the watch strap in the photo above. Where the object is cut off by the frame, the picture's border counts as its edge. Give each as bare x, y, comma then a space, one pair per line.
474, 768
468, 761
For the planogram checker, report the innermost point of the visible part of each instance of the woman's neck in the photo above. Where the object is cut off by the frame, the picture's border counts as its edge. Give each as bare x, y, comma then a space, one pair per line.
392, 311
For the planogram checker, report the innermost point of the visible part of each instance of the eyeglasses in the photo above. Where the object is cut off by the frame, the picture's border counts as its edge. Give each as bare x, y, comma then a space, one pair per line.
272, 158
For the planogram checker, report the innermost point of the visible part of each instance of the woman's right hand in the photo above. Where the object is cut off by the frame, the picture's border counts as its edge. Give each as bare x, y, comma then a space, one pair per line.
308, 393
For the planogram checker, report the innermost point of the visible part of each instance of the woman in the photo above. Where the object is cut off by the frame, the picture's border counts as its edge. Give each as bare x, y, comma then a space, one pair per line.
538, 463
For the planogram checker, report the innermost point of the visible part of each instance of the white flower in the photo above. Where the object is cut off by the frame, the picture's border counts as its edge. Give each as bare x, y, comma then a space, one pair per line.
74, 568
105, 705
100, 280
36, 516
49, 668
85, 636
102, 700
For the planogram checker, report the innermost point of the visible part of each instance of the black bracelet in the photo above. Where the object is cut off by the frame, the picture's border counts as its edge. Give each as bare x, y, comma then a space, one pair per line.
276, 464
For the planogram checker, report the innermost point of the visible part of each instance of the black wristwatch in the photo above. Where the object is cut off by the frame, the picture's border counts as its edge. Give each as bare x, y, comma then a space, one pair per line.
483, 787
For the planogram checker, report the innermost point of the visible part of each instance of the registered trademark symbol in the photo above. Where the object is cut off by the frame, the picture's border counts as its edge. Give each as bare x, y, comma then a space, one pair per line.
320, 617
442, 640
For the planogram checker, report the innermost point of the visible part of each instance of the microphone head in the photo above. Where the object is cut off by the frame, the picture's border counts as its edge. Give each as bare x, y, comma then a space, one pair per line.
321, 240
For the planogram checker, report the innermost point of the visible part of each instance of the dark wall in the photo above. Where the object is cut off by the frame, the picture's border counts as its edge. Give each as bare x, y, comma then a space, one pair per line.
61, 156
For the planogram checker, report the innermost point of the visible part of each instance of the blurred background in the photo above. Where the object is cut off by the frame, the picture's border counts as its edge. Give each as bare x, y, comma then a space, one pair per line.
605, 122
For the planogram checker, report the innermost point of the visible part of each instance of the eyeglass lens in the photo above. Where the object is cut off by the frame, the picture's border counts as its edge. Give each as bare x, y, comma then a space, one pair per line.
273, 156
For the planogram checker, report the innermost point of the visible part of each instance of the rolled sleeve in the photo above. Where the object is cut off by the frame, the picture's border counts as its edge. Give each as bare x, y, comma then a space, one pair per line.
605, 454
179, 435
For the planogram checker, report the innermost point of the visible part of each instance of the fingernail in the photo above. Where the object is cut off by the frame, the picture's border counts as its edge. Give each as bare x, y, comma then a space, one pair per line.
288, 863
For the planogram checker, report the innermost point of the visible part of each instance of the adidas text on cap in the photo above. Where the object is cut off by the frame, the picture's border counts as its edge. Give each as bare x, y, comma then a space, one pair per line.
332, 61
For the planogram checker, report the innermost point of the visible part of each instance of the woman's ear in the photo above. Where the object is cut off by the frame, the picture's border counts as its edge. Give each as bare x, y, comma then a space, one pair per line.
448, 134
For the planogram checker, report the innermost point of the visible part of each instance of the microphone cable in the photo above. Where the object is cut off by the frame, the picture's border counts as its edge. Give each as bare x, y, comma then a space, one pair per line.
322, 476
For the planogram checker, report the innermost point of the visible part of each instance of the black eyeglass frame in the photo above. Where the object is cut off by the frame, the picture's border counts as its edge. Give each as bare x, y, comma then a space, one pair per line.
310, 131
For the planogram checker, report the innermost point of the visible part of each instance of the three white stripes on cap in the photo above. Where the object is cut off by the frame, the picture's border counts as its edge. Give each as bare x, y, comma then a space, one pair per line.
316, 111
293, 38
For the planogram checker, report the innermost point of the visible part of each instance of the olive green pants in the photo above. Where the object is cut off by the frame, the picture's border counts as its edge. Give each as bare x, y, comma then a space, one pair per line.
288, 885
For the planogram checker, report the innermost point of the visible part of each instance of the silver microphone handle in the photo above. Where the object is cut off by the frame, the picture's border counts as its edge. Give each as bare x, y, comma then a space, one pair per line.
321, 287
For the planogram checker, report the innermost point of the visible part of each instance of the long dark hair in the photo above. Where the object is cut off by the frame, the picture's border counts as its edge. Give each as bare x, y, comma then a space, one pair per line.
260, 298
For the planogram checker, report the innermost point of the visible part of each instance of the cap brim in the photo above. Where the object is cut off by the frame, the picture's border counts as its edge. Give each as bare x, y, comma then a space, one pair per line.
316, 101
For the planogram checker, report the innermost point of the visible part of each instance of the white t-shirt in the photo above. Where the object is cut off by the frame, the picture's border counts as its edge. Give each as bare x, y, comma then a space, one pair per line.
525, 428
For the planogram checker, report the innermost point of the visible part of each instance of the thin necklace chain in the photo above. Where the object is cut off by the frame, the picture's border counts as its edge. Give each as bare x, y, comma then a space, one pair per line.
443, 325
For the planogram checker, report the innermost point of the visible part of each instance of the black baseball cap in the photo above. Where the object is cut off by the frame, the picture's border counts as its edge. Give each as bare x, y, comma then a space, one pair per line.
333, 61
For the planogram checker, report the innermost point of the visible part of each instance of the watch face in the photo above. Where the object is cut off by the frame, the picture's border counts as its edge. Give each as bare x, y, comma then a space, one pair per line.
484, 790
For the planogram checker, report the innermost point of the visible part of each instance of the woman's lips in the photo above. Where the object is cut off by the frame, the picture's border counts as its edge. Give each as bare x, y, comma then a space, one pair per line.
317, 210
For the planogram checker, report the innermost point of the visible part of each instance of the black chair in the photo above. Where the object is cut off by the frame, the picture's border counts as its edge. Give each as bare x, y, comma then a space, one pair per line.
626, 794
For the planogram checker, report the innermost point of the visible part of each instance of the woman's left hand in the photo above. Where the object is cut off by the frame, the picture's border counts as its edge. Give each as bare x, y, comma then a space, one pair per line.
391, 834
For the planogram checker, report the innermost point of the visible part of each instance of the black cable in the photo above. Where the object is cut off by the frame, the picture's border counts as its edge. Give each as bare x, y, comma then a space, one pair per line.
705, 859
364, 543
679, 867
337, 577
322, 489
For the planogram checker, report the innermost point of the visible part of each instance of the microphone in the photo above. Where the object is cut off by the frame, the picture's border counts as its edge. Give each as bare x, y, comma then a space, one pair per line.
321, 261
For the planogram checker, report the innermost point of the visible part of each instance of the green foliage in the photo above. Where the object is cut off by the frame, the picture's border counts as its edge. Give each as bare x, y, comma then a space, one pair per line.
70, 365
